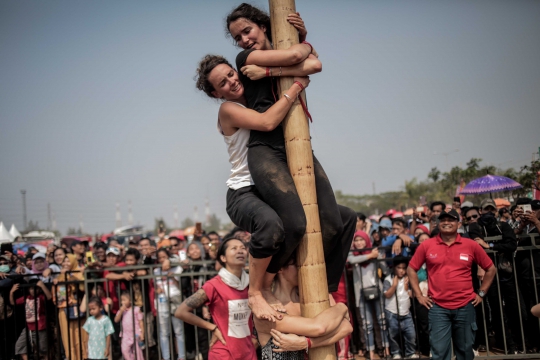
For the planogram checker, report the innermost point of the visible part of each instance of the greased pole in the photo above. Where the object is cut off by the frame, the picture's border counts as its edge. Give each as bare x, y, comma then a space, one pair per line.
311, 267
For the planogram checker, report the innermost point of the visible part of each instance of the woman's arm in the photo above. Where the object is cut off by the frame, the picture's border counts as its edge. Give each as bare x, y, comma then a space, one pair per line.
232, 116
311, 65
292, 342
320, 325
293, 55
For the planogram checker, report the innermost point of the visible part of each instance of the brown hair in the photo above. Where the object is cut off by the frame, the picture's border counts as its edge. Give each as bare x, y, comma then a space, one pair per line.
206, 65
252, 14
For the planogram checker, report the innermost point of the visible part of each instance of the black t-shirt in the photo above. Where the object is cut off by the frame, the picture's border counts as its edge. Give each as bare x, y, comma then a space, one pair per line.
260, 96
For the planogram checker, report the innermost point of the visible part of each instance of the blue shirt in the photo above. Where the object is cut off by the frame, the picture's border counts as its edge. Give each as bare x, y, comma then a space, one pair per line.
390, 240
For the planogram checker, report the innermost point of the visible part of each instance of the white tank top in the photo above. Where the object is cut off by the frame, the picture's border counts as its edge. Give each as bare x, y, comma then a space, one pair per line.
237, 148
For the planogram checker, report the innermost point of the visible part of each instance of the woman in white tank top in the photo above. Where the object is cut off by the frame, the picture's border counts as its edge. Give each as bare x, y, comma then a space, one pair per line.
218, 79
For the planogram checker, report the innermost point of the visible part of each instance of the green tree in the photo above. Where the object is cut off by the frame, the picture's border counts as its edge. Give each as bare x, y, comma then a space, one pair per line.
187, 222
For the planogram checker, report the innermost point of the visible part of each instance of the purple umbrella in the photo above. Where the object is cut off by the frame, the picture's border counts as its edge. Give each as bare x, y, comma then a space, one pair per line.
490, 183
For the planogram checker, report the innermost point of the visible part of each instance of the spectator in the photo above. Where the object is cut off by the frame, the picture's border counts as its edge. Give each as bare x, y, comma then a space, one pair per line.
169, 297
227, 298
39, 265
436, 208
66, 297
205, 242
397, 306
99, 329
421, 313
367, 288
450, 304
214, 237
488, 226
78, 249
36, 324
50, 253
399, 240
360, 222
132, 335
54, 269
177, 251
504, 215
148, 251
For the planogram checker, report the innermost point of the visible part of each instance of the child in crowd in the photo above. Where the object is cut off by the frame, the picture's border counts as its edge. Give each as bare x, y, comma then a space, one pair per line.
397, 309
99, 329
132, 325
35, 317
169, 297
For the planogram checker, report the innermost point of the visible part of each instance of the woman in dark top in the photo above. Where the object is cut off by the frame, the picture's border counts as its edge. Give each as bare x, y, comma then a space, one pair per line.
267, 160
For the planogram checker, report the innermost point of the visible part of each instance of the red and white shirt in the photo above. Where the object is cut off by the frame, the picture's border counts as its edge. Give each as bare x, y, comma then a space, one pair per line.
31, 314
231, 313
449, 269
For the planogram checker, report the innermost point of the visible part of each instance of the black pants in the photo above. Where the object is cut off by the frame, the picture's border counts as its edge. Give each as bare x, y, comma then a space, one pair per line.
276, 189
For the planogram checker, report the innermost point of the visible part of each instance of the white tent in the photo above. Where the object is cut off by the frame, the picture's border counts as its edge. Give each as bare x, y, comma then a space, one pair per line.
14, 232
5, 236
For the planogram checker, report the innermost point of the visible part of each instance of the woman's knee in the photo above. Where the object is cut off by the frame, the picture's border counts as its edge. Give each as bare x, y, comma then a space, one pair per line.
295, 225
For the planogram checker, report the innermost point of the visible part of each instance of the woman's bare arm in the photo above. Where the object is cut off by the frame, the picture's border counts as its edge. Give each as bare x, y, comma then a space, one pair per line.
185, 310
293, 55
311, 65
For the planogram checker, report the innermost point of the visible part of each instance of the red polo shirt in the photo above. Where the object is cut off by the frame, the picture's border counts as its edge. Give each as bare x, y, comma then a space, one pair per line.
449, 269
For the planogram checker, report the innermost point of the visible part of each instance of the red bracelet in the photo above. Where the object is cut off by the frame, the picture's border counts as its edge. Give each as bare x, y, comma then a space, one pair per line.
308, 340
311, 46
299, 84
267, 71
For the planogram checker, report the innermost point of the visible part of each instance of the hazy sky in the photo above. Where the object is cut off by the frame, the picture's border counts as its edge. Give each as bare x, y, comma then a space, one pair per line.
98, 103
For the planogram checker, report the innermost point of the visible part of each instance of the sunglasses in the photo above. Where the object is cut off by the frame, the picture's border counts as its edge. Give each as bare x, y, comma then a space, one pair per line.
472, 217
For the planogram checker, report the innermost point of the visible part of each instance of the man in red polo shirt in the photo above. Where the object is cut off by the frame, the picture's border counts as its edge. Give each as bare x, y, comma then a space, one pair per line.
451, 298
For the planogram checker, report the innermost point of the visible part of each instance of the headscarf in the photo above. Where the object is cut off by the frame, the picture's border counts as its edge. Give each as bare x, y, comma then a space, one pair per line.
366, 238
46, 266
423, 228
73, 266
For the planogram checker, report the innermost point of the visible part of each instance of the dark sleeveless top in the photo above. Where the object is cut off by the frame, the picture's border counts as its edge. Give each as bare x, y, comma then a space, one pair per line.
268, 354
260, 96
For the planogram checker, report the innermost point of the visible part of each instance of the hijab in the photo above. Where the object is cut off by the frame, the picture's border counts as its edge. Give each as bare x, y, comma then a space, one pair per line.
366, 238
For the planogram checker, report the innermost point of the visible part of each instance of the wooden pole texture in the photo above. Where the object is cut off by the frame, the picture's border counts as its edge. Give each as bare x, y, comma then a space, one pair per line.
312, 270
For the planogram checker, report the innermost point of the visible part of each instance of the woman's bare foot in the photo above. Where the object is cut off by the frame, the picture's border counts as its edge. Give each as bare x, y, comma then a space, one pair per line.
261, 308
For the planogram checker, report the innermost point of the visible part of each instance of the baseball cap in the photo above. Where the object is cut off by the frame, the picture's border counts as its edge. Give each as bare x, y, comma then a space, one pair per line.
467, 204
535, 205
38, 256
451, 214
386, 223
487, 202
113, 250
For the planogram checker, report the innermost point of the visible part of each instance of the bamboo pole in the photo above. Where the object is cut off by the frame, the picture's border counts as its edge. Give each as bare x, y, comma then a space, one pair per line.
312, 270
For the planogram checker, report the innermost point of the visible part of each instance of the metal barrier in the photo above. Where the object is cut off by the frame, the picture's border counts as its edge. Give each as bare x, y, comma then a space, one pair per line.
509, 299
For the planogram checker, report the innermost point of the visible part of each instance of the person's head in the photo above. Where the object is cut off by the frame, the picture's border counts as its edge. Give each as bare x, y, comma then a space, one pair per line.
232, 253
59, 256
504, 213
289, 272
99, 291
28, 261
77, 247
214, 237
385, 226
162, 254
400, 266
218, 79
488, 206
32, 250
421, 229
420, 238
100, 250
360, 240
249, 27
205, 241
535, 207
33, 289
144, 246
95, 306
39, 263
437, 207
5, 263
195, 250
132, 257
398, 226
174, 245
448, 222
472, 215
112, 256
70, 262
375, 236
50, 253
360, 221
125, 299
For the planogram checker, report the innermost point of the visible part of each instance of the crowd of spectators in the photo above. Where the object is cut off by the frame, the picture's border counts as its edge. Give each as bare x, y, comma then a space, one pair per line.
113, 300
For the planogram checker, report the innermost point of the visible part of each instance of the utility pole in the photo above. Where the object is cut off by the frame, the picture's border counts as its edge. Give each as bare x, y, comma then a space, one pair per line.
312, 283
118, 216
49, 220
175, 216
130, 214
23, 193
53, 222
207, 212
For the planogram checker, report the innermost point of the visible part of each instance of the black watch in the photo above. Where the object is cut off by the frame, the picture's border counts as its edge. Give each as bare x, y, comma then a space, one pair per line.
481, 293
